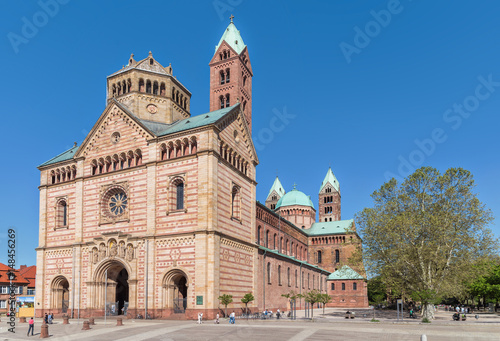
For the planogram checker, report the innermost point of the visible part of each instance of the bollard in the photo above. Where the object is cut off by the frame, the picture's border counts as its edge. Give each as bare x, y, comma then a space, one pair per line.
119, 321
423, 337
85, 325
44, 332
91, 321
65, 319
22, 320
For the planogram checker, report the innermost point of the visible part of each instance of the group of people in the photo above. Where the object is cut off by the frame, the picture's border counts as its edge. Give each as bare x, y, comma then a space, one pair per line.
47, 319
232, 318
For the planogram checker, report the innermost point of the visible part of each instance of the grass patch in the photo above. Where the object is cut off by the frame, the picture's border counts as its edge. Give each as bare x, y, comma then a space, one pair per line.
374, 320
426, 320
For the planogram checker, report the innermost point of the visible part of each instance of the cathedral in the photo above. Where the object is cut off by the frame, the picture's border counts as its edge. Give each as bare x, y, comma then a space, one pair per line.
156, 210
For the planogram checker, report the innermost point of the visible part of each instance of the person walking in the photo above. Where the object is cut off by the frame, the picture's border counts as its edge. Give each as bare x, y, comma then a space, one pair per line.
278, 314
31, 326
51, 317
217, 318
232, 318
199, 317
46, 318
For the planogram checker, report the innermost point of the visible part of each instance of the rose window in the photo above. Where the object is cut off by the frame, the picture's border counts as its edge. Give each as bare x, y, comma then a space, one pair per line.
118, 203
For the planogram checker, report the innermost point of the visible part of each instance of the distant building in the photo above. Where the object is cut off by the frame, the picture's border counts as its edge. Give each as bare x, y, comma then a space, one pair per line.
19, 282
156, 210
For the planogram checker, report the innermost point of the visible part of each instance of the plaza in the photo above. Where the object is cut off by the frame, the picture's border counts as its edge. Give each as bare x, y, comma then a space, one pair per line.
332, 325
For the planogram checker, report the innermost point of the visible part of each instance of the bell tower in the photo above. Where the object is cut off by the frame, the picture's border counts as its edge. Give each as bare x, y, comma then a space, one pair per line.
329, 198
231, 74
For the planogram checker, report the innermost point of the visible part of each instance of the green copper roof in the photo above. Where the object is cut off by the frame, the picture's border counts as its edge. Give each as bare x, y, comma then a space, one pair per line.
67, 155
329, 227
295, 197
345, 272
233, 38
194, 121
277, 187
292, 258
330, 178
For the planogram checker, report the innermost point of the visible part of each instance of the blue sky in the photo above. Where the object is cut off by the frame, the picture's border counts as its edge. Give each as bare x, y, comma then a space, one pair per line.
372, 88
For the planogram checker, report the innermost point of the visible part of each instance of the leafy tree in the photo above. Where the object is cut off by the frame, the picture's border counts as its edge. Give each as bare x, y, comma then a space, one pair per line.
312, 297
423, 234
247, 299
324, 299
377, 290
292, 296
225, 300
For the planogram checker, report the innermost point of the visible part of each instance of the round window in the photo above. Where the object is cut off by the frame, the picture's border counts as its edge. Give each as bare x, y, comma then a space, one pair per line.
115, 202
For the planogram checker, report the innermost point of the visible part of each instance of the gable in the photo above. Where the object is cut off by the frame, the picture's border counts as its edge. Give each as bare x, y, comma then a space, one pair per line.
235, 133
116, 129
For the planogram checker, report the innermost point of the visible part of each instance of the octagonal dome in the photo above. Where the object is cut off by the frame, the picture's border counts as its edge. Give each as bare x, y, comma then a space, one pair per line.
295, 197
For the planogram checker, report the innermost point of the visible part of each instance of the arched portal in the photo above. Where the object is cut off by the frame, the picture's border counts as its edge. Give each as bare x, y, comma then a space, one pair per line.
60, 294
112, 287
175, 293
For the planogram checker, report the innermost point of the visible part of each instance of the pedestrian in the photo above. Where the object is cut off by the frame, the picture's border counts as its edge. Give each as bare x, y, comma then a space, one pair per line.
278, 313
217, 318
31, 326
199, 318
232, 318
46, 318
51, 317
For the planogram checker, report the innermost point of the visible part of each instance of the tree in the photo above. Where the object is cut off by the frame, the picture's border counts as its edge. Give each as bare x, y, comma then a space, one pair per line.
312, 297
377, 290
292, 296
225, 300
423, 234
324, 299
247, 299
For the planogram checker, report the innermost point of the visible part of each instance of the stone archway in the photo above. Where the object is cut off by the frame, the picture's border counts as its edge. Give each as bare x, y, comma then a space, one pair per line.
60, 295
113, 288
175, 290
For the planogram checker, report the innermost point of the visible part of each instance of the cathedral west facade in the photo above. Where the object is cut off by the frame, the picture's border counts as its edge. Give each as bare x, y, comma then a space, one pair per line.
156, 210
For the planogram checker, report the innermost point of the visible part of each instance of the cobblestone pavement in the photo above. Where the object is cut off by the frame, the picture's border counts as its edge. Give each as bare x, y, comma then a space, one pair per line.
327, 327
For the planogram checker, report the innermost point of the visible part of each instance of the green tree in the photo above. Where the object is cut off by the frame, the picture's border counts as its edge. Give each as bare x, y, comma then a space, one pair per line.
312, 297
377, 290
247, 299
225, 300
423, 234
292, 296
324, 299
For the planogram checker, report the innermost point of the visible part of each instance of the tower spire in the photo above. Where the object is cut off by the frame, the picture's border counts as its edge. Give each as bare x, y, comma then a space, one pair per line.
231, 17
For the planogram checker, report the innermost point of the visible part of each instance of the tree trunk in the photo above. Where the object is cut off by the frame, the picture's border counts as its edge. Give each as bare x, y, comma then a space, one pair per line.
225, 314
428, 311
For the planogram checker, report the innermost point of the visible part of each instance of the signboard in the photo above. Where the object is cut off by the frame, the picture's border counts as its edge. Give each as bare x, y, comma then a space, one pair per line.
199, 300
400, 301
25, 306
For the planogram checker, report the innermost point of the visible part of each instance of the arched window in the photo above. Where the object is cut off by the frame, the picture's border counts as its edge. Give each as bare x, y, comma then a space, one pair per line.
236, 203
296, 279
222, 77
177, 195
303, 279
162, 89
274, 241
244, 80
221, 99
269, 273
227, 100
279, 274
155, 88
354, 286
337, 256
62, 213
228, 75
179, 202
148, 86
288, 277
138, 157
258, 234
333, 286
319, 257
308, 282
343, 286
267, 238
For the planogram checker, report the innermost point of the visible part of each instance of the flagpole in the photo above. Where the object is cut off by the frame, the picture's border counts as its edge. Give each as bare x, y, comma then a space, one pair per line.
105, 296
